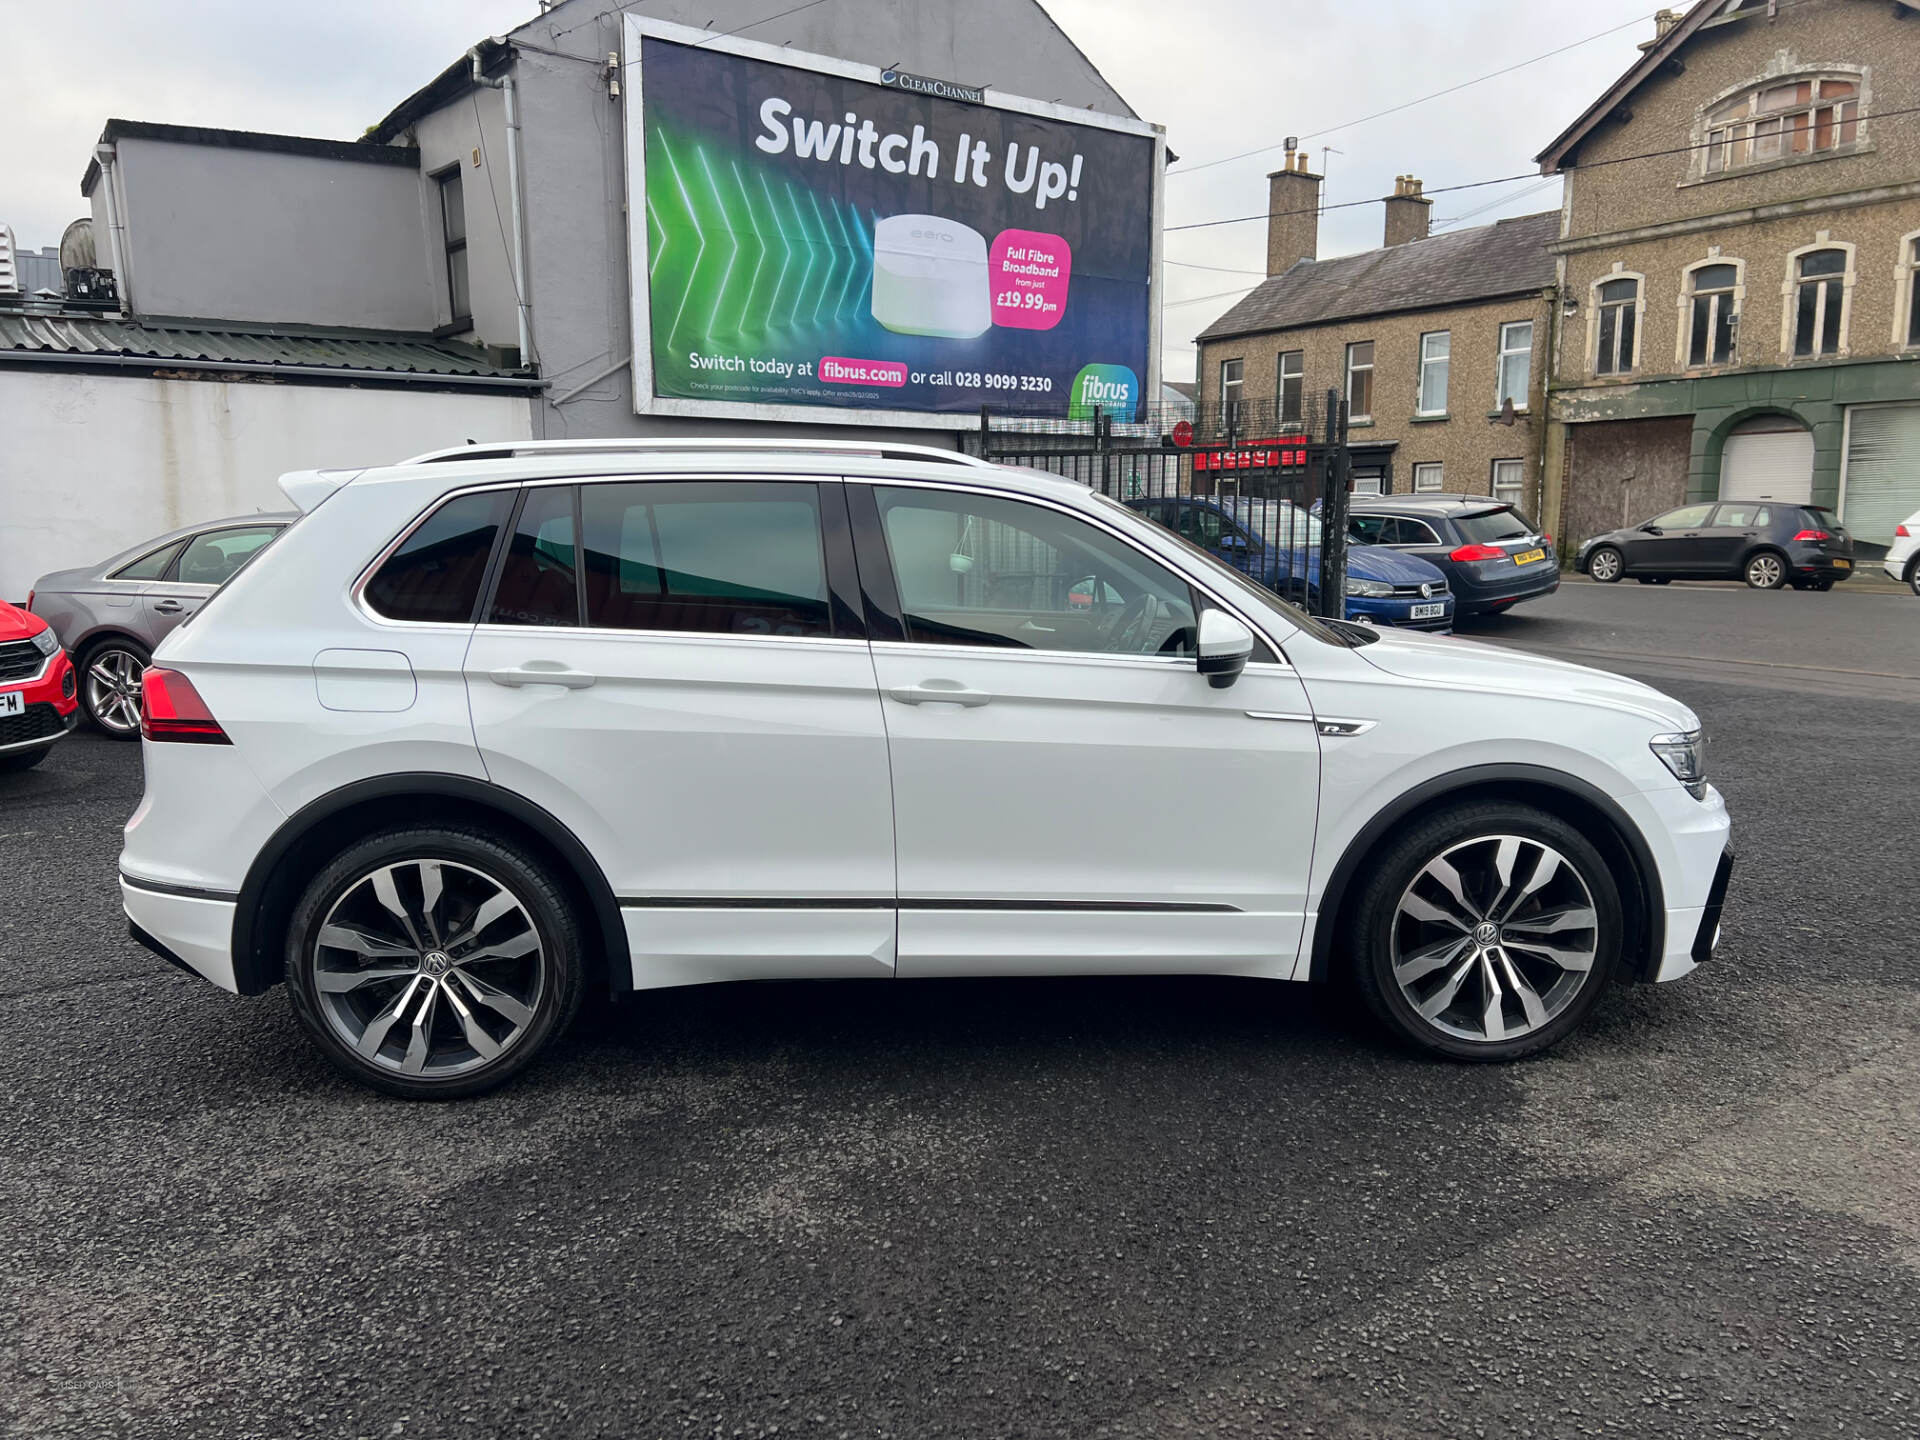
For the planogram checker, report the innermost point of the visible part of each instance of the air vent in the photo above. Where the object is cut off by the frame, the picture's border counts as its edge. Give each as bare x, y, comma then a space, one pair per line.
9, 263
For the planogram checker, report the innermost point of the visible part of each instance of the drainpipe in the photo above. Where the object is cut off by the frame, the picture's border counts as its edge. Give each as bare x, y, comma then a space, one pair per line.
521, 304
116, 237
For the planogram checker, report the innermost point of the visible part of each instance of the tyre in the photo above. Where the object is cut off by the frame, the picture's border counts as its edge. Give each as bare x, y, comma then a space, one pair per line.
110, 686
434, 963
1486, 932
23, 760
1766, 570
1913, 574
1606, 565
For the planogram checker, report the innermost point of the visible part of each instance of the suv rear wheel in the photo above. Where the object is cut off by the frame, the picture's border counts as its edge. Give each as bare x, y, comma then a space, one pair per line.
433, 962
1487, 932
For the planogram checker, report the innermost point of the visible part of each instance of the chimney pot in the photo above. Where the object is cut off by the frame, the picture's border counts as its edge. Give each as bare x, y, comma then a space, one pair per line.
1293, 214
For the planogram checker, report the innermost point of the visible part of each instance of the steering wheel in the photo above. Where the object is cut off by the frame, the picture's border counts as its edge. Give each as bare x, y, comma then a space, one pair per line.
1133, 630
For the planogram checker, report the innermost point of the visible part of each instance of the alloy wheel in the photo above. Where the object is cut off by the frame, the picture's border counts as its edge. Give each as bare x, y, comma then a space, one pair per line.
1764, 572
113, 689
1494, 937
429, 968
1604, 566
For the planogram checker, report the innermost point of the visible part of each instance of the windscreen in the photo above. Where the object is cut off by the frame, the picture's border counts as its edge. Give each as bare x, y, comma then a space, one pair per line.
1490, 527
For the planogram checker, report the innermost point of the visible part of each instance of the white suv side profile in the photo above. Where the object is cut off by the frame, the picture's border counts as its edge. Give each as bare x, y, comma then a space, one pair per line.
493, 725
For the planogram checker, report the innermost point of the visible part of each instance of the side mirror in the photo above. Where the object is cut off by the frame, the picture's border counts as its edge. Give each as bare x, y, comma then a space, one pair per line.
1225, 647
1234, 544
1650, 528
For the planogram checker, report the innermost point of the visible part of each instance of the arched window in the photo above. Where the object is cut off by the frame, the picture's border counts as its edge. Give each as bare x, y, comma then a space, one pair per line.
1618, 325
1781, 119
1712, 304
1820, 280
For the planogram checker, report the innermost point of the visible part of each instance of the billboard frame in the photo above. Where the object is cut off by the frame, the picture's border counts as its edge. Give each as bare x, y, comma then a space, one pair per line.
633, 101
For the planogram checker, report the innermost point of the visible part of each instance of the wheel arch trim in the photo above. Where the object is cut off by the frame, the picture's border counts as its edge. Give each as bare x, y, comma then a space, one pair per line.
1643, 950
256, 974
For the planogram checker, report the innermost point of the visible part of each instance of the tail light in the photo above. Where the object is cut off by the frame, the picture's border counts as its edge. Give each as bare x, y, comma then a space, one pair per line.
1813, 535
171, 709
1900, 530
1547, 540
30, 599
1477, 552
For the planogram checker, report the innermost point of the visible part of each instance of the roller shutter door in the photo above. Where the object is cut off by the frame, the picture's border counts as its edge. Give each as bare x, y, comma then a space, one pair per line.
1883, 470
1768, 459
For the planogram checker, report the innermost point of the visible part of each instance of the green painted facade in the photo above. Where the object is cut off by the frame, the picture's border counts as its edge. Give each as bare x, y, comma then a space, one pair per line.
1817, 394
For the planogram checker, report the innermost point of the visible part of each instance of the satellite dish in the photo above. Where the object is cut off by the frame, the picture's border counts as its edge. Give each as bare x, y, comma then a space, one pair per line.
76, 247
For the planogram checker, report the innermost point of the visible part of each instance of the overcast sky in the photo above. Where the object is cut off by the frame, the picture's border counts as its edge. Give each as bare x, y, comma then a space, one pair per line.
1223, 76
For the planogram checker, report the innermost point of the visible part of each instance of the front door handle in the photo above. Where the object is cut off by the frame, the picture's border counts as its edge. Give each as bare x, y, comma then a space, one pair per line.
168, 607
538, 674
939, 692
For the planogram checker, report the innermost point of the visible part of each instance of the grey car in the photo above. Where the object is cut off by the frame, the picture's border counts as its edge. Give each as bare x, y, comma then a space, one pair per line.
111, 615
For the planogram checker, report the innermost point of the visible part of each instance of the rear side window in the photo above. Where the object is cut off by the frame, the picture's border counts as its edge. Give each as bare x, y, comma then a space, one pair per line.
540, 579
435, 575
735, 558
1489, 527
215, 557
151, 566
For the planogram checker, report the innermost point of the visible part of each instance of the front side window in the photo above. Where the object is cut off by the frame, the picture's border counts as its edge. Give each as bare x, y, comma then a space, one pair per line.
453, 230
732, 558
1429, 476
1819, 302
1781, 120
1516, 364
1360, 380
1435, 347
212, 558
436, 573
1292, 397
1232, 378
1618, 326
981, 570
1712, 317
1509, 478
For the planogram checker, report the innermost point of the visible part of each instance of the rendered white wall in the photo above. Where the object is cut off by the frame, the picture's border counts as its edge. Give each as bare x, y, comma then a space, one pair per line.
90, 464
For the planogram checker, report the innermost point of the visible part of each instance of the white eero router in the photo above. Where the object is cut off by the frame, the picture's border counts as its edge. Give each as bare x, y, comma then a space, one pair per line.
930, 277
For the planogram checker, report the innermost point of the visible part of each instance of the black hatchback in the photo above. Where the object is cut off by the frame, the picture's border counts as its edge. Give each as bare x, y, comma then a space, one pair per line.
1491, 554
1763, 542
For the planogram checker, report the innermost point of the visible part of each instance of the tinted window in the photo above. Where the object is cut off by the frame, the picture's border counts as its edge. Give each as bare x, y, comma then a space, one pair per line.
539, 580
979, 570
211, 559
151, 566
733, 558
435, 575
1687, 517
1368, 529
1489, 527
1402, 531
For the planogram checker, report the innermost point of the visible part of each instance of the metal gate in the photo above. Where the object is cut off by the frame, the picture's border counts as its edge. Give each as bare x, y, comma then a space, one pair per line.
1241, 483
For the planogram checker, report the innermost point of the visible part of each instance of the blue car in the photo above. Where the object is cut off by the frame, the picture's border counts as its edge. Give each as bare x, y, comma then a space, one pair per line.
1278, 544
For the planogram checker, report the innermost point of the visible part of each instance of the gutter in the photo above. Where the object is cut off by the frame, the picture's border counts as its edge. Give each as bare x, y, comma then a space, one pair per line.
505, 85
106, 157
255, 367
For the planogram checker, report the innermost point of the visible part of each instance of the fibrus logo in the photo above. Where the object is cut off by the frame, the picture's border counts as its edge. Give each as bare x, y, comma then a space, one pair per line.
1110, 387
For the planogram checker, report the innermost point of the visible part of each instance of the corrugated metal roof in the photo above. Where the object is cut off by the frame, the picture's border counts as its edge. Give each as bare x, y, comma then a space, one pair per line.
1504, 259
88, 335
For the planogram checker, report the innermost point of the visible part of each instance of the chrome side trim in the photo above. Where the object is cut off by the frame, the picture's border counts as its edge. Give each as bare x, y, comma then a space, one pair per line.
1279, 715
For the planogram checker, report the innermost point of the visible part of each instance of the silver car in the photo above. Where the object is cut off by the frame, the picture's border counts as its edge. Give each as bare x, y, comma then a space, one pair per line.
110, 616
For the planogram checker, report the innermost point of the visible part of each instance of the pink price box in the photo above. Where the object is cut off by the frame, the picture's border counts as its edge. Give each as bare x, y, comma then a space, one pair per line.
1029, 271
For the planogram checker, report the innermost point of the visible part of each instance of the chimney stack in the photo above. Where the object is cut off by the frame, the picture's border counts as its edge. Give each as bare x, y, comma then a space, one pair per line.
1409, 213
1293, 213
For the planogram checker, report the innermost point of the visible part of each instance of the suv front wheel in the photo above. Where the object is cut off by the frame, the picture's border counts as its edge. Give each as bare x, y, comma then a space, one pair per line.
433, 963
1487, 932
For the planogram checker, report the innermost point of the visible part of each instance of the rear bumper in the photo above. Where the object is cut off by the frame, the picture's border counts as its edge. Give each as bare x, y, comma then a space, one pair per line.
192, 931
1480, 599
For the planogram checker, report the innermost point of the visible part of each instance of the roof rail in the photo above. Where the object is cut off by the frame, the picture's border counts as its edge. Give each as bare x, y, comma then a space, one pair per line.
513, 449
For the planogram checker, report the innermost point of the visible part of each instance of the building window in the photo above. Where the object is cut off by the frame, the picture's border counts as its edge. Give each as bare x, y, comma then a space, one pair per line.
1619, 327
1231, 379
1292, 397
1509, 479
1360, 380
1819, 303
1370, 481
1712, 299
1428, 476
1780, 120
1516, 364
1435, 347
453, 225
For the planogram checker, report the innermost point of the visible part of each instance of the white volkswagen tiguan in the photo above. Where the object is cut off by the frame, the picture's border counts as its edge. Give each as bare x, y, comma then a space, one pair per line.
494, 725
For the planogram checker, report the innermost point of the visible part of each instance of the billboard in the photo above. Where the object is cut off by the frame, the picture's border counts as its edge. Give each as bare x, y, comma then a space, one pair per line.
815, 239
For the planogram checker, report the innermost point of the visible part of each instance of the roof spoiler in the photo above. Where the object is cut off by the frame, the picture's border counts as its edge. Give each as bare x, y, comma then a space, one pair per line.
307, 488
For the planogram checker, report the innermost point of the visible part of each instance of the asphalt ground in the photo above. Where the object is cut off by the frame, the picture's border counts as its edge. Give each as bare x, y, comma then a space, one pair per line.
1130, 1208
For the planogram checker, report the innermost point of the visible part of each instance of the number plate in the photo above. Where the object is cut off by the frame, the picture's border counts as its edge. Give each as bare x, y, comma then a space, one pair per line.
1528, 557
1428, 612
11, 703
1843, 564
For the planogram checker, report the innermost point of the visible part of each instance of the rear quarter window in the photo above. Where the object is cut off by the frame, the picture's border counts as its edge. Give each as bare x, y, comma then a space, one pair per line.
436, 573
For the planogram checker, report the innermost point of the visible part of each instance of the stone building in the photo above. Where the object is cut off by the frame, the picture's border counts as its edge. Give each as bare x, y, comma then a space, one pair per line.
1427, 337
1739, 237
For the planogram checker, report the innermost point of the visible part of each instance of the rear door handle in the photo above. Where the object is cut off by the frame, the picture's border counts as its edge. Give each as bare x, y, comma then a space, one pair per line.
168, 607
537, 674
939, 692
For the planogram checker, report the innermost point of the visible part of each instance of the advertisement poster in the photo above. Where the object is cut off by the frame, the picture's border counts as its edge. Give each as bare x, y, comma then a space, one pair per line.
816, 239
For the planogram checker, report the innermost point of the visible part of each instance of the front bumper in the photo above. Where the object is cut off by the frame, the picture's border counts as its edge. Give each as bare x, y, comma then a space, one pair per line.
1394, 611
1689, 842
52, 708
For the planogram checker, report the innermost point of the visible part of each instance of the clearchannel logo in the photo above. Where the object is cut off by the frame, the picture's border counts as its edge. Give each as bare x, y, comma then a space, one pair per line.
1114, 389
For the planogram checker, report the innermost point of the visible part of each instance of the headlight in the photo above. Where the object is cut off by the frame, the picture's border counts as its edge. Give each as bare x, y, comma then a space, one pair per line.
46, 642
1368, 587
1686, 756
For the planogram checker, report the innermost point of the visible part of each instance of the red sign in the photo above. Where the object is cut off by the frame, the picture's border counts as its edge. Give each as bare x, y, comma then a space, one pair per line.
1286, 453
1183, 433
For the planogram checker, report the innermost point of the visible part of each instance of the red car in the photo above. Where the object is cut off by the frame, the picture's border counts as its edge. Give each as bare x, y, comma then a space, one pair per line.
38, 704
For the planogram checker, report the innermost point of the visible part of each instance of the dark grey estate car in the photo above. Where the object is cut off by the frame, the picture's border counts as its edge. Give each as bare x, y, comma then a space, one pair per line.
110, 616
1492, 555
1767, 543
